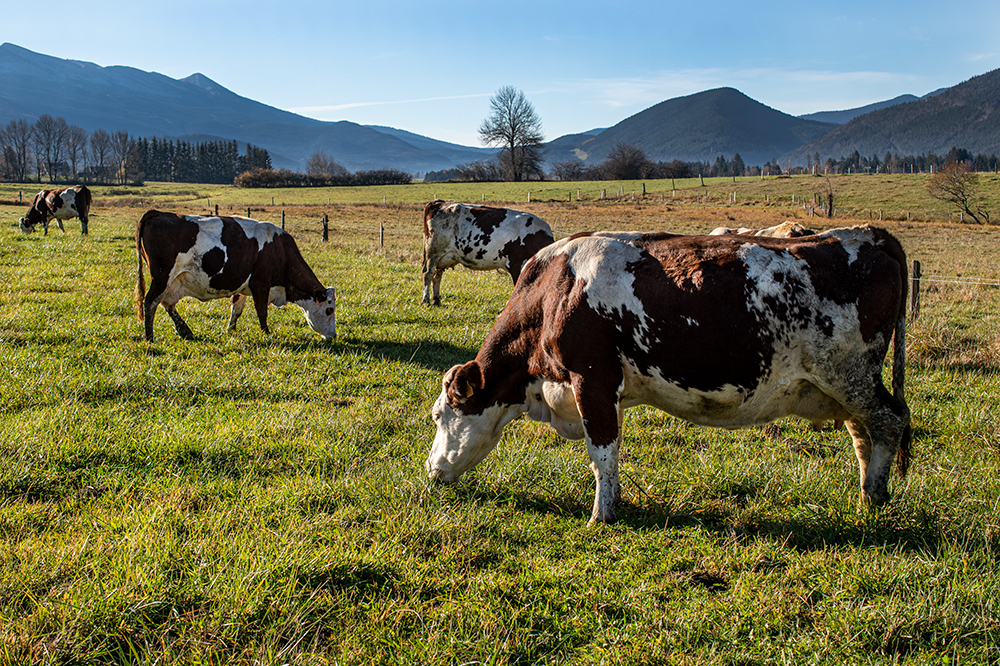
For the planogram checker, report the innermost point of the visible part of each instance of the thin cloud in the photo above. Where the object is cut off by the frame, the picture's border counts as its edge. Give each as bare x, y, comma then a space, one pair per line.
331, 108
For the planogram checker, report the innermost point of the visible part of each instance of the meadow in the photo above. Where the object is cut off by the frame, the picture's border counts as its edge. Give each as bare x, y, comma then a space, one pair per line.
252, 499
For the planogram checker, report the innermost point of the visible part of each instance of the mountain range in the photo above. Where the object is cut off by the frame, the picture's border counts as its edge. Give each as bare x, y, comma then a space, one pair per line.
697, 127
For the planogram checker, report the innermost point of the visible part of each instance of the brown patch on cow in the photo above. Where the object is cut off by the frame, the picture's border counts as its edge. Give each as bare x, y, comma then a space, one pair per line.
430, 210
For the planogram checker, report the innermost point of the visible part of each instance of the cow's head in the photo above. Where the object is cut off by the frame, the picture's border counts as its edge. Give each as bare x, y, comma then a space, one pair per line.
28, 222
468, 424
321, 312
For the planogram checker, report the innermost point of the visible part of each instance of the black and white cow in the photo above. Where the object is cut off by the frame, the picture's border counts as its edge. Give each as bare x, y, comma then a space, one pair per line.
478, 237
223, 257
723, 331
62, 205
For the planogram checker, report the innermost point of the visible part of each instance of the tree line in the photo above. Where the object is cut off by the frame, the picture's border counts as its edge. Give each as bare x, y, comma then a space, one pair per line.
626, 161
52, 148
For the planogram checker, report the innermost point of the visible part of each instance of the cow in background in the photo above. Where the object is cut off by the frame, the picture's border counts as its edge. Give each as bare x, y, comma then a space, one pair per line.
61, 205
784, 230
225, 257
478, 237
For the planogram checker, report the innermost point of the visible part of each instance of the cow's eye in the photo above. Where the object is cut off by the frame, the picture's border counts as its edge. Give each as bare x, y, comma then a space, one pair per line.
329, 311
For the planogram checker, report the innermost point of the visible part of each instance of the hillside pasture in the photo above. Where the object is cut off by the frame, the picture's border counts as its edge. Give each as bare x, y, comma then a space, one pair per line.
249, 499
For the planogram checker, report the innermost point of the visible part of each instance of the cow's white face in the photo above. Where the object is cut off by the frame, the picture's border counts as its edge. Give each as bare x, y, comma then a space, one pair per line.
463, 440
322, 315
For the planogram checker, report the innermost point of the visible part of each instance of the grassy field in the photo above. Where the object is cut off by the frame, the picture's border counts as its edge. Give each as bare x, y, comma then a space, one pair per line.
262, 500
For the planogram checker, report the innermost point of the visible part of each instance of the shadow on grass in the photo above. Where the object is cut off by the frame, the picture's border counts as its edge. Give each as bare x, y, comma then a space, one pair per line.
801, 527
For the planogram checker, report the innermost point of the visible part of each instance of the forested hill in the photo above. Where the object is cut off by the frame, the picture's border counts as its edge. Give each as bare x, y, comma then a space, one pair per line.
966, 115
703, 126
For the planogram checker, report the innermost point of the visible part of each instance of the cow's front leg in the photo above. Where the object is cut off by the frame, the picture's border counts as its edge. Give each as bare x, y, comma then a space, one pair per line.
260, 303
179, 324
84, 225
601, 417
876, 441
239, 302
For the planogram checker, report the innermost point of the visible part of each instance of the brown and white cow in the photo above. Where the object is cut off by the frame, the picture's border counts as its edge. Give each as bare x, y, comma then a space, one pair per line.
723, 331
64, 204
223, 257
784, 230
478, 237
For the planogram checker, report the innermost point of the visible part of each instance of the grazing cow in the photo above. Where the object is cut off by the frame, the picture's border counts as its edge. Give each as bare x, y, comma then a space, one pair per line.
719, 330
62, 205
783, 230
478, 237
222, 257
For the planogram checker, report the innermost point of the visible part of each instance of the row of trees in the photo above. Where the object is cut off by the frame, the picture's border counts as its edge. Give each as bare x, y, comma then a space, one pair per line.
51, 147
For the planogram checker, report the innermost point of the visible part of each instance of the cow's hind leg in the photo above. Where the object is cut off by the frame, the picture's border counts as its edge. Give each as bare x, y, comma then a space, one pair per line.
437, 285
179, 324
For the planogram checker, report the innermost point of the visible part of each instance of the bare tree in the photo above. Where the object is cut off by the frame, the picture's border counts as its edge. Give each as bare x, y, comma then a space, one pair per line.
626, 161
121, 146
76, 147
571, 169
958, 184
100, 151
514, 126
16, 139
321, 165
50, 139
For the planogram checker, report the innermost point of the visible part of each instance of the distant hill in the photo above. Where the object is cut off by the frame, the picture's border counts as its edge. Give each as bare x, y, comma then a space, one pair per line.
847, 115
965, 116
150, 104
700, 127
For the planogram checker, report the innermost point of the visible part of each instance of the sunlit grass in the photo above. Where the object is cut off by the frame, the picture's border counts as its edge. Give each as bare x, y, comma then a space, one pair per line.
250, 499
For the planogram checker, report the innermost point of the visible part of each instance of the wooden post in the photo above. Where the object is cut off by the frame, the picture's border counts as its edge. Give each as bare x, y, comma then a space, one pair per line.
20, 196
248, 211
381, 234
915, 292
217, 210
282, 220
272, 201
326, 228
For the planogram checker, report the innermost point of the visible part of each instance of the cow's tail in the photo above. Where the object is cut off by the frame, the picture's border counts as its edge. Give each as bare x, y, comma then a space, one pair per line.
904, 454
430, 210
140, 279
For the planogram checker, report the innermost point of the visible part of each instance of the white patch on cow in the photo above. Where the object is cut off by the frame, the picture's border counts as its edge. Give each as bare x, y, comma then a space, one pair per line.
262, 232
609, 287
67, 210
852, 239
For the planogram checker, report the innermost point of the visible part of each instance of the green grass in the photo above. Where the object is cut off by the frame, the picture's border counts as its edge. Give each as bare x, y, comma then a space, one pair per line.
258, 500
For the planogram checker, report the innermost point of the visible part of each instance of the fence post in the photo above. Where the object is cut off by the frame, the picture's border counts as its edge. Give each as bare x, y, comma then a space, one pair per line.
248, 211
381, 234
282, 220
217, 210
915, 293
326, 228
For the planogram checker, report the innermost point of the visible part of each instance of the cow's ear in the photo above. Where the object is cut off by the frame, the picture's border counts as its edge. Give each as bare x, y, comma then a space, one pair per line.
466, 380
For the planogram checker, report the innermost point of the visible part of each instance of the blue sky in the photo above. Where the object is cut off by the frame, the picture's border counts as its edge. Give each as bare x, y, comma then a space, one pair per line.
430, 67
